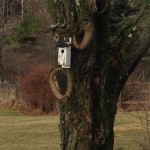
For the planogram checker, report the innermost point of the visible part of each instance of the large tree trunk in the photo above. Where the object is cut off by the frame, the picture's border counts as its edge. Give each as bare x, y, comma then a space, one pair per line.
100, 71
87, 116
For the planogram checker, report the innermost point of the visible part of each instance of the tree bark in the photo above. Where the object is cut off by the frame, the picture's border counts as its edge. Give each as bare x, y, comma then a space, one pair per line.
100, 70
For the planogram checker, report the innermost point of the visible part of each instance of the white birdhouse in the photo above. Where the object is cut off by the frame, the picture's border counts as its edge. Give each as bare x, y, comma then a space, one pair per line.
64, 55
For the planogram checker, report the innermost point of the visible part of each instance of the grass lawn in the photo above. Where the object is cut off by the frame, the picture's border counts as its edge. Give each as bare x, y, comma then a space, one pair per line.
128, 132
21, 132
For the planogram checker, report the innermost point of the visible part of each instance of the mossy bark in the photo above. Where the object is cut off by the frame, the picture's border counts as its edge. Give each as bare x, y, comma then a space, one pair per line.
121, 36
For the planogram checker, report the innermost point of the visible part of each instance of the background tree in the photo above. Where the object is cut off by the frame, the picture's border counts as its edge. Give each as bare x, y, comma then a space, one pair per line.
2, 34
8, 8
109, 40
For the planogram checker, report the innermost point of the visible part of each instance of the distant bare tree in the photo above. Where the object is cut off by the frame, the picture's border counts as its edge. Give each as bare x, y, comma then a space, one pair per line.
8, 8
2, 34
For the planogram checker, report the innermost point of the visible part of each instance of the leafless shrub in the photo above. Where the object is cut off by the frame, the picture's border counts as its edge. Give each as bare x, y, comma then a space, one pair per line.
135, 96
139, 102
144, 118
36, 90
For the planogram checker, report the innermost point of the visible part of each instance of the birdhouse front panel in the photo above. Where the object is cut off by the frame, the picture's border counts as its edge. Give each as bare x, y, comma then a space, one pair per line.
64, 56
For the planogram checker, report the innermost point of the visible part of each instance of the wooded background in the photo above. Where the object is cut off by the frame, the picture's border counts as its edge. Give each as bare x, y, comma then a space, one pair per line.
25, 43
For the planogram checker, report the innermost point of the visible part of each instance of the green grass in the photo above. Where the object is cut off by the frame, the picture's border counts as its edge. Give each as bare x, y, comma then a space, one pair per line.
128, 131
9, 113
22, 132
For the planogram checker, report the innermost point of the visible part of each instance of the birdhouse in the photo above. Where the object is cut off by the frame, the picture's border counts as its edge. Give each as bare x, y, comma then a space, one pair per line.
64, 54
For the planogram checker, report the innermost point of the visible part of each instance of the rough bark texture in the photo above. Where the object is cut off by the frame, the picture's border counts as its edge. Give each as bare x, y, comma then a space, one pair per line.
121, 36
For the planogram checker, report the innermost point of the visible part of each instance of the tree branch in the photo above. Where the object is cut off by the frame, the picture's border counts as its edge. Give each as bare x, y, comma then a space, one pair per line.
135, 40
